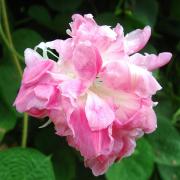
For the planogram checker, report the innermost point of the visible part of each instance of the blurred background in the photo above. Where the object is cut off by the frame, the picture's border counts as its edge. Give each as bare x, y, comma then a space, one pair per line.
48, 157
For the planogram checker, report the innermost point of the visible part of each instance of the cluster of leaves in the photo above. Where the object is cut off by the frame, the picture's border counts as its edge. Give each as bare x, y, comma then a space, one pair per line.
48, 157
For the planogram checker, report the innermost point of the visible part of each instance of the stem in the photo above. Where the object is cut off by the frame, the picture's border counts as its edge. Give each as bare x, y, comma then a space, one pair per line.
25, 131
17, 64
7, 44
8, 34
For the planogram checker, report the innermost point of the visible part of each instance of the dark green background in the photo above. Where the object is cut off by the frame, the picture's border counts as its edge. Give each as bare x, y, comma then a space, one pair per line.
48, 157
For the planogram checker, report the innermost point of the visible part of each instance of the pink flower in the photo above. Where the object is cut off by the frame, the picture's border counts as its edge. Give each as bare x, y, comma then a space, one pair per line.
98, 94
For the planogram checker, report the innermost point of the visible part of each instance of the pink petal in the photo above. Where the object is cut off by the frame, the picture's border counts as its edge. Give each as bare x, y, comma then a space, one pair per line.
136, 40
43, 92
127, 105
63, 47
116, 75
100, 164
98, 112
87, 61
34, 72
144, 119
79, 21
143, 82
26, 101
121, 75
73, 88
89, 143
59, 119
151, 61
32, 58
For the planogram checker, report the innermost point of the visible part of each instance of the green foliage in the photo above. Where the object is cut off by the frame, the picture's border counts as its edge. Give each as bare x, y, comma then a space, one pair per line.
9, 83
24, 38
27, 164
157, 156
63, 160
166, 143
133, 167
169, 172
40, 14
107, 18
145, 12
7, 120
64, 6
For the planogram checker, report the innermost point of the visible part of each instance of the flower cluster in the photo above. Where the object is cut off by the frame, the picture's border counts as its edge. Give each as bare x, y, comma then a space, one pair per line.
98, 94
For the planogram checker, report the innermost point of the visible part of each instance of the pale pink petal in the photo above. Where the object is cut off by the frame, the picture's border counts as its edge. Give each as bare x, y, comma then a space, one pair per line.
79, 21
43, 92
136, 40
99, 114
73, 88
151, 61
116, 75
32, 58
126, 76
144, 119
63, 47
127, 105
114, 48
142, 81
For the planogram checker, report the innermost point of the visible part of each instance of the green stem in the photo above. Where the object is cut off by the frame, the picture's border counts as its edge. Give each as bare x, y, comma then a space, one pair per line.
8, 34
7, 44
25, 131
17, 64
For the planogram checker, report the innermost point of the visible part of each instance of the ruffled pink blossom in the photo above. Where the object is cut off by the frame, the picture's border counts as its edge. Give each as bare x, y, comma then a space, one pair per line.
98, 94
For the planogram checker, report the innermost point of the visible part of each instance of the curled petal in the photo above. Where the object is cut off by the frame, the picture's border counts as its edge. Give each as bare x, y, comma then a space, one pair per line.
136, 40
63, 47
151, 61
80, 22
32, 58
26, 101
36, 67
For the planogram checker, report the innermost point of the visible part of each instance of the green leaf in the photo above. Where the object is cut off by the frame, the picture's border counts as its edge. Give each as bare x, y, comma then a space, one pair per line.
169, 172
162, 107
178, 46
9, 83
64, 164
129, 23
166, 143
25, 164
174, 9
64, 5
107, 18
7, 120
61, 22
40, 14
137, 167
149, 48
62, 157
25, 38
145, 12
